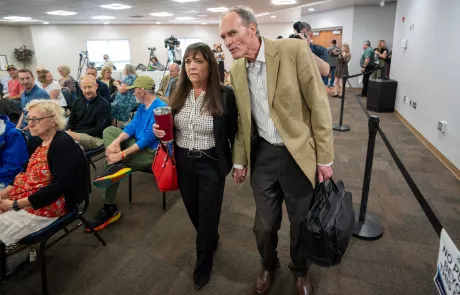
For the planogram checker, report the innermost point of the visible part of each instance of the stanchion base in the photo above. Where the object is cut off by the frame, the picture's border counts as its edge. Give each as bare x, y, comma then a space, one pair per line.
370, 229
341, 127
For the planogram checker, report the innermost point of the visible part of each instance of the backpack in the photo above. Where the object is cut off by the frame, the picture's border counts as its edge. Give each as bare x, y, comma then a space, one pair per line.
327, 228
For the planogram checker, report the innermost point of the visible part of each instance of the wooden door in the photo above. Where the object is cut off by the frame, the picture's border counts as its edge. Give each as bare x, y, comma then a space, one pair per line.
326, 36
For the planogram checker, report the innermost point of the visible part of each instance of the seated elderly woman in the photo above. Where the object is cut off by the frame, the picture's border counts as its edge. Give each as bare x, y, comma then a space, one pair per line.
54, 181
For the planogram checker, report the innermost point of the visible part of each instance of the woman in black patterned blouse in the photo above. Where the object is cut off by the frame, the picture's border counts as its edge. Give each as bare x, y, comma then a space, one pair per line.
205, 119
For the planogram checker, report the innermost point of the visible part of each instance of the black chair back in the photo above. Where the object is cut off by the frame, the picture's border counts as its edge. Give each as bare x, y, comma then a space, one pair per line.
68, 97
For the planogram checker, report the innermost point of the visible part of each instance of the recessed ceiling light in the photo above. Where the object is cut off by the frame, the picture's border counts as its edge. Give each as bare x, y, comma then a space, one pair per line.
185, 1
217, 9
185, 18
106, 23
116, 6
46, 23
203, 15
311, 9
102, 17
62, 12
203, 23
161, 14
18, 18
283, 2
273, 16
158, 23
194, 21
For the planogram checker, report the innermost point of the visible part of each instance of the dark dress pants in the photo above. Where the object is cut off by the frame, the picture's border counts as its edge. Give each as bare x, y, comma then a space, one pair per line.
202, 188
277, 177
366, 80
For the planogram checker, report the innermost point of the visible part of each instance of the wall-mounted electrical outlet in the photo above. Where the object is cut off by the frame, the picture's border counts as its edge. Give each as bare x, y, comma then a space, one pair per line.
414, 105
410, 102
442, 126
406, 99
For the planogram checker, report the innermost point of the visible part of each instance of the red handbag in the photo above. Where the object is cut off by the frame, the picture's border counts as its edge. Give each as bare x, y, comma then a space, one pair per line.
164, 169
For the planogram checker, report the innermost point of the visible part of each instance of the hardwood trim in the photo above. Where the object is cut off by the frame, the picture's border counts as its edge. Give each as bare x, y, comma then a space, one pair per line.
430, 146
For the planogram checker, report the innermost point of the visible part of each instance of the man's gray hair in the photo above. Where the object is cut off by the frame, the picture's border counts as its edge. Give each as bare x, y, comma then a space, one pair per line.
306, 26
246, 14
367, 42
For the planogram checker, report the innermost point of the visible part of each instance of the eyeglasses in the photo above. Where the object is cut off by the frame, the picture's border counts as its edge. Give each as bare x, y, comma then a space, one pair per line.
36, 120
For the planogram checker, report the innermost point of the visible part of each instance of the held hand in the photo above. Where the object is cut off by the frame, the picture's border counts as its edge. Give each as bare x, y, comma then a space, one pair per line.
362, 70
116, 83
6, 205
239, 175
114, 158
324, 173
158, 133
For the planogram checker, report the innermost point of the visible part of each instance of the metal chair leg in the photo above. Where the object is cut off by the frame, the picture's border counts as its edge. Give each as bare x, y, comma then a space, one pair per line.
87, 225
164, 201
43, 265
130, 194
3, 261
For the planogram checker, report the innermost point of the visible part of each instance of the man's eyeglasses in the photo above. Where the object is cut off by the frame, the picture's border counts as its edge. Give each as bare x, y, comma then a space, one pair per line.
36, 120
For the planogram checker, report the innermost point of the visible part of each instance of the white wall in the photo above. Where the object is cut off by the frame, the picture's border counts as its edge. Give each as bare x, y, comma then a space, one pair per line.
14, 37
333, 18
427, 71
359, 23
373, 23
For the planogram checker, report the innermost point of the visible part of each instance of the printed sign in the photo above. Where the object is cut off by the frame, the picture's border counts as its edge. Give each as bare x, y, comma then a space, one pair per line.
447, 277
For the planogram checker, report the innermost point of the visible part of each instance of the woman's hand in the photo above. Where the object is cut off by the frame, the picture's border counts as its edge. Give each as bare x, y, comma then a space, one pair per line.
116, 84
158, 133
6, 205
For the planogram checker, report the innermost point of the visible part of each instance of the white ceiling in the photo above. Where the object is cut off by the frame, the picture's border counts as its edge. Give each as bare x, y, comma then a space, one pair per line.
141, 9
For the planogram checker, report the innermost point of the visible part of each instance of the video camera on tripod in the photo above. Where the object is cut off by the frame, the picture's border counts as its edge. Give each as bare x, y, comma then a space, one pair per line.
171, 42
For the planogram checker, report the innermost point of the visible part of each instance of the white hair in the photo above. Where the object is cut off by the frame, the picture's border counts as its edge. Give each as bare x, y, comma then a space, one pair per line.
49, 108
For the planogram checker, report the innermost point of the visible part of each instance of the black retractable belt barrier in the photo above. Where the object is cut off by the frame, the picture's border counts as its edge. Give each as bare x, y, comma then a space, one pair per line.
340, 126
367, 226
435, 223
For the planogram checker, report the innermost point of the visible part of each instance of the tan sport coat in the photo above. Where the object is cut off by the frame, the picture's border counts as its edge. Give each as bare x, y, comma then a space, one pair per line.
298, 105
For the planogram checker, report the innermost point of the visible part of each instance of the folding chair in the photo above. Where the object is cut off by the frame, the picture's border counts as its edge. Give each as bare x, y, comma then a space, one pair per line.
130, 194
45, 234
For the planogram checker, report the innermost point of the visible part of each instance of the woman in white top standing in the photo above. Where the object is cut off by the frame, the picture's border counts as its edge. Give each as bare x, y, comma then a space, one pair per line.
107, 62
206, 122
52, 87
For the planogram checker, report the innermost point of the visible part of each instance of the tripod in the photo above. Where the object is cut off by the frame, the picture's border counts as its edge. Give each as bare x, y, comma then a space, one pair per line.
152, 55
171, 59
84, 61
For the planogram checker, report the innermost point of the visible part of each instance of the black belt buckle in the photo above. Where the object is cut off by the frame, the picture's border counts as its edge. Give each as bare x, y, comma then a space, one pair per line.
194, 154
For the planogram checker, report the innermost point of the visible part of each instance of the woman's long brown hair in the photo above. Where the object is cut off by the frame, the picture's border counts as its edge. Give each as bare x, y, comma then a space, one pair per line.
212, 103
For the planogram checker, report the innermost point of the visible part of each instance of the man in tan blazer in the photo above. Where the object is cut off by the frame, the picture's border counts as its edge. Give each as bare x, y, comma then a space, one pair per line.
167, 83
284, 138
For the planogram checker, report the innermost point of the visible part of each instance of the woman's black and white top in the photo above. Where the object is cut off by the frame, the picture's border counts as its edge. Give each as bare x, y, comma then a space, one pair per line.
194, 127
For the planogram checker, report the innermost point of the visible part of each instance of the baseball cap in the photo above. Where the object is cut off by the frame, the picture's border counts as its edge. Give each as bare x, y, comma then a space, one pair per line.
8, 67
143, 82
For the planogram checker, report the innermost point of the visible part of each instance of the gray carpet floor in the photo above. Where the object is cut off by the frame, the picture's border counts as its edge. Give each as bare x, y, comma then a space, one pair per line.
151, 252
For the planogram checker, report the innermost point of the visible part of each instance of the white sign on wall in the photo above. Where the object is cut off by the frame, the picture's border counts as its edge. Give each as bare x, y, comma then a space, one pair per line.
447, 277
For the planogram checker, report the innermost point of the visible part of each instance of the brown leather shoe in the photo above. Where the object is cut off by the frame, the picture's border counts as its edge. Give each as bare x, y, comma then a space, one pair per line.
263, 281
304, 286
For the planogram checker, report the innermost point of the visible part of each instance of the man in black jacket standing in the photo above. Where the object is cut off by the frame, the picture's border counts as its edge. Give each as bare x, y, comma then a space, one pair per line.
90, 115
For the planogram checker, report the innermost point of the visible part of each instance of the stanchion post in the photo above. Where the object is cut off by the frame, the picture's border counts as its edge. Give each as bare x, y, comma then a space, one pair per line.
340, 126
367, 226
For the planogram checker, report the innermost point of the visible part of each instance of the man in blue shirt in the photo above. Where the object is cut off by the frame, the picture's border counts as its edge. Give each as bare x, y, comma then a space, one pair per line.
31, 92
319, 52
13, 152
134, 147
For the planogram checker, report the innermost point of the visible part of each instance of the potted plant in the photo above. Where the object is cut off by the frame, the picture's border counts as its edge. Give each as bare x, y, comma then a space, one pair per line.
23, 55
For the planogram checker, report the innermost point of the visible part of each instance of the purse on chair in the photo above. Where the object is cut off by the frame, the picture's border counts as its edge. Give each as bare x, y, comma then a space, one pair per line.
164, 169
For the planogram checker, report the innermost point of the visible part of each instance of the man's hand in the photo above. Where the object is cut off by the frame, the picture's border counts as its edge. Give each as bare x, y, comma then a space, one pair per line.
114, 158
239, 175
324, 173
6, 95
362, 70
113, 148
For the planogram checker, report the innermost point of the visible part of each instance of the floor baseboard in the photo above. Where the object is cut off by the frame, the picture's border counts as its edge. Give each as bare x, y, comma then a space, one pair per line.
430, 146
